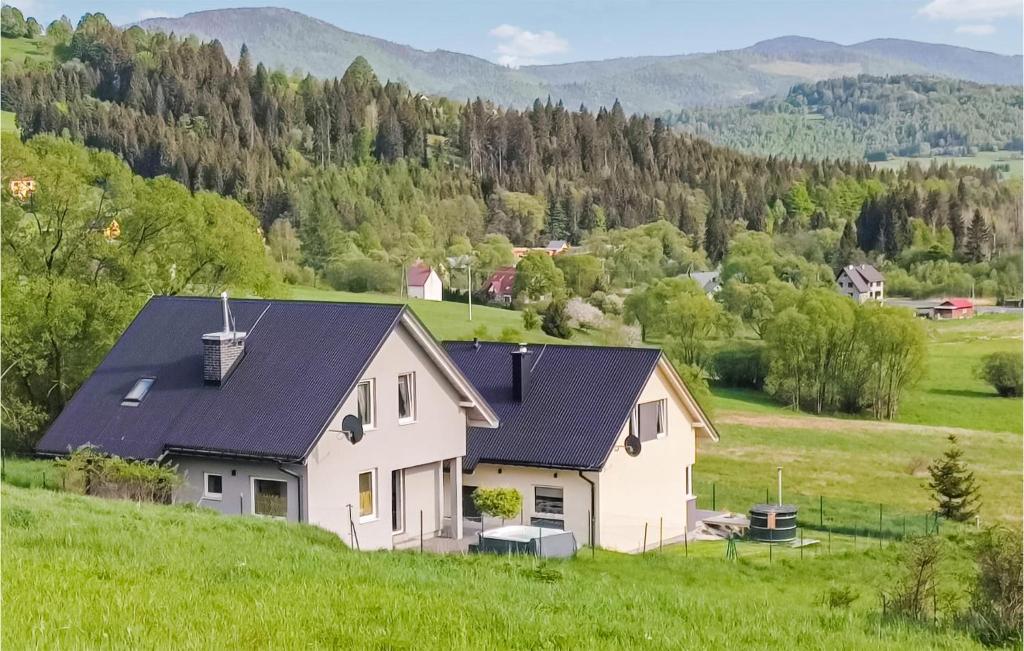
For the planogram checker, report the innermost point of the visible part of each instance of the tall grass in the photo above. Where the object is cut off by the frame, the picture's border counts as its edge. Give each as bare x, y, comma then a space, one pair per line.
83, 572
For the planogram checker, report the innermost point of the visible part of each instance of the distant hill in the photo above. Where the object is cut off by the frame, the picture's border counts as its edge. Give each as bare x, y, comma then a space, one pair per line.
287, 39
865, 116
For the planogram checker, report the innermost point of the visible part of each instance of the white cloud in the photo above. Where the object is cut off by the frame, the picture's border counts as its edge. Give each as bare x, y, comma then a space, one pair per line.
520, 47
975, 30
145, 14
975, 10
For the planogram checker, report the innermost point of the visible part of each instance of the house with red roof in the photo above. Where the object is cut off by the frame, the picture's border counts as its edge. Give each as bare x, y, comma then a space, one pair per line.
423, 282
500, 284
954, 308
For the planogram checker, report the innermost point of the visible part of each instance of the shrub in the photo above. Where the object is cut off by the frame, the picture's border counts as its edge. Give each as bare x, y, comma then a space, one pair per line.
530, 319
995, 613
913, 596
952, 484
91, 473
838, 597
362, 275
740, 364
555, 321
504, 503
1003, 371
510, 335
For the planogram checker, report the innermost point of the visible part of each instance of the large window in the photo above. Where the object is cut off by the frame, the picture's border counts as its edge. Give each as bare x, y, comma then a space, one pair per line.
270, 497
213, 486
548, 500
138, 392
367, 495
365, 403
651, 420
407, 398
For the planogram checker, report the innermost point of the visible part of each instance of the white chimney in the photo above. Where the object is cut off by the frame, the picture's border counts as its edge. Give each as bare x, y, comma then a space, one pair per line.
222, 350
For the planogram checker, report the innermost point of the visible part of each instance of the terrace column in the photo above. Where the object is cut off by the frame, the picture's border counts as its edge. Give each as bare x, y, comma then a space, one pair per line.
455, 497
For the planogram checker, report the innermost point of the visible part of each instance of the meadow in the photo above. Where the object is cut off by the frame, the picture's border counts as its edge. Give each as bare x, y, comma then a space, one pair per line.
149, 576
22, 49
981, 159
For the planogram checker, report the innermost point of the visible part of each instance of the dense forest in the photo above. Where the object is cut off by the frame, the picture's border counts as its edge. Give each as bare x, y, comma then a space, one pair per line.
872, 117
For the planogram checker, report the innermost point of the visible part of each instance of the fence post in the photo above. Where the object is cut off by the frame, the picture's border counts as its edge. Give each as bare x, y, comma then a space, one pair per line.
770, 546
830, 541
686, 543
714, 506
645, 538
821, 511
801, 543
767, 497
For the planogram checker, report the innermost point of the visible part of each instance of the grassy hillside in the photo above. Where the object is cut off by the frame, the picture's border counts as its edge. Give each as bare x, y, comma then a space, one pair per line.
445, 319
8, 123
642, 84
173, 577
24, 49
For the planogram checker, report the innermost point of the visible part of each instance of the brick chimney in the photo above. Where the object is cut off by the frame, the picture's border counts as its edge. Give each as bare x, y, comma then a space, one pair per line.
222, 350
521, 372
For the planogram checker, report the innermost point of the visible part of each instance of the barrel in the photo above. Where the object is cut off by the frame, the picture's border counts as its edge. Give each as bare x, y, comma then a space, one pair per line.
772, 523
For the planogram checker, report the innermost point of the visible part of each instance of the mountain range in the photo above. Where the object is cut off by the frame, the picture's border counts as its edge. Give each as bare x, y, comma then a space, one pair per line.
282, 38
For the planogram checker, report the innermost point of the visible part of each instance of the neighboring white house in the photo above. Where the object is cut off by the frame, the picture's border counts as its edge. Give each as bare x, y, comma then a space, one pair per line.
263, 420
862, 283
599, 441
423, 282
709, 281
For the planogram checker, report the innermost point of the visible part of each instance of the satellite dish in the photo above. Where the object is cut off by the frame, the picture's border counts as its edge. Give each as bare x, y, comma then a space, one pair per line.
632, 444
352, 428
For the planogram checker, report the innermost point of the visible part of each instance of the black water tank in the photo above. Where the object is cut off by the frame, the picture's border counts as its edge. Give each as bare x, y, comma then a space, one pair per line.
772, 523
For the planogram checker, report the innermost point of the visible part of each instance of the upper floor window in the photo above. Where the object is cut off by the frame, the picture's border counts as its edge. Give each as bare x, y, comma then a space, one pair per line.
138, 392
406, 398
365, 403
651, 420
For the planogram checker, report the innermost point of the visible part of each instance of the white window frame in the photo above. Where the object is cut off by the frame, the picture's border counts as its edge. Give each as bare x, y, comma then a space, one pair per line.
375, 513
252, 497
207, 495
689, 481
401, 501
372, 425
662, 416
412, 398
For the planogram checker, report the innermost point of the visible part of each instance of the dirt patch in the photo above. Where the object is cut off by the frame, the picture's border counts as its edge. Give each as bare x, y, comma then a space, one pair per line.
797, 421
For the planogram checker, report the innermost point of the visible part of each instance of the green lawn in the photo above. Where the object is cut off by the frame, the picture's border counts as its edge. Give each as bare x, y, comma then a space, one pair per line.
982, 159
142, 576
20, 49
8, 123
448, 320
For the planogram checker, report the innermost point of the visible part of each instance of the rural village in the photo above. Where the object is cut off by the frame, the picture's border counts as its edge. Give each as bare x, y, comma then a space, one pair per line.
296, 358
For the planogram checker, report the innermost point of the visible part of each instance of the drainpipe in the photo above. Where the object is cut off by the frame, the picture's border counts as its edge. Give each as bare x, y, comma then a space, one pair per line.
298, 484
593, 507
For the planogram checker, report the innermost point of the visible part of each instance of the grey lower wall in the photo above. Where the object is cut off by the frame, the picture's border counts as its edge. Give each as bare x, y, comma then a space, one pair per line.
237, 483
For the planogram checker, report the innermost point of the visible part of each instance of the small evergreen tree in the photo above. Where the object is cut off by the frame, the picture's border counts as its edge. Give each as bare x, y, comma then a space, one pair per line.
556, 319
977, 237
847, 246
716, 237
952, 484
558, 223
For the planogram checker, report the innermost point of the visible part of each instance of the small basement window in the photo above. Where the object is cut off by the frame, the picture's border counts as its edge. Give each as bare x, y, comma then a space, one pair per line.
138, 393
547, 523
213, 487
270, 498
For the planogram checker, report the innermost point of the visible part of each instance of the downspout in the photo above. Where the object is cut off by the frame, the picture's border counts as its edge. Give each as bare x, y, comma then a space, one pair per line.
298, 483
593, 507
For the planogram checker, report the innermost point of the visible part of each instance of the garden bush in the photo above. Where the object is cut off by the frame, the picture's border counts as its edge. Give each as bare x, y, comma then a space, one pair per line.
1003, 371
740, 364
89, 472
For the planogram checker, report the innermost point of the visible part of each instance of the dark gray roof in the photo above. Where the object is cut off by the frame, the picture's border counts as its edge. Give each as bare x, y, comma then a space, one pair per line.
301, 360
577, 404
862, 276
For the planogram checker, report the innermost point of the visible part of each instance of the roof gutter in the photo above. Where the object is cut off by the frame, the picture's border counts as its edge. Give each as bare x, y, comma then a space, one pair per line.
593, 507
298, 483
204, 452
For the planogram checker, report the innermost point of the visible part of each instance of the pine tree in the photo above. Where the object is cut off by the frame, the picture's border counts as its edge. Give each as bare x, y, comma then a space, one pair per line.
847, 246
558, 226
977, 238
716, 237
956, 224
952, 485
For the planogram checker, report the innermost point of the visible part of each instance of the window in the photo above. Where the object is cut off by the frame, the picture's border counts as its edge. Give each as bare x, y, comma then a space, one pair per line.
270, 497
365, 403
547, 523
138, 392
651, 417
397, 501
407, 398
548, 500
213, 486
367, 496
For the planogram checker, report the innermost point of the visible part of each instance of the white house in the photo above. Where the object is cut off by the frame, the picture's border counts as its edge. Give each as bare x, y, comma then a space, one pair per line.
861, 283
599, 441
423, 282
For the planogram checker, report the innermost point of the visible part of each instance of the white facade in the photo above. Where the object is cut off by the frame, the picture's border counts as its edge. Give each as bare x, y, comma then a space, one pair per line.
652, 489
430, 290
875, 290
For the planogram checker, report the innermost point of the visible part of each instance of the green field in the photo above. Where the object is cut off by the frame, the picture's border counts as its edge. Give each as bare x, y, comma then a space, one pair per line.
445, 319
982, 159
141, 576
8, 123
20, 49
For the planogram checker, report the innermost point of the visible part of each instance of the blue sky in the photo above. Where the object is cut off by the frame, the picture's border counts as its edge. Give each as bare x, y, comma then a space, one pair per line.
537, 31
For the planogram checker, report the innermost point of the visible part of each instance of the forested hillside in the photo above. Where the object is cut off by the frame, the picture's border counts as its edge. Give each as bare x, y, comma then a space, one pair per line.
872, 117
287, 40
